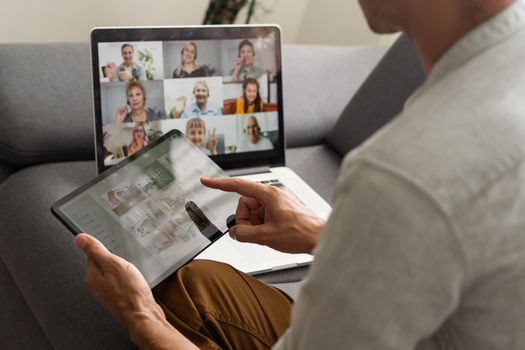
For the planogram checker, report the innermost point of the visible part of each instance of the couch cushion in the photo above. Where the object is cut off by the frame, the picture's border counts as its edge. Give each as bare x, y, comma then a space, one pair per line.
318, 166
318, 81
16, 316
380, 98
48, 269
45, 94
6, 170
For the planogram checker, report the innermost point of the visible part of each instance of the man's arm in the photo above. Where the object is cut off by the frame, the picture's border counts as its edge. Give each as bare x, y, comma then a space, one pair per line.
388, 269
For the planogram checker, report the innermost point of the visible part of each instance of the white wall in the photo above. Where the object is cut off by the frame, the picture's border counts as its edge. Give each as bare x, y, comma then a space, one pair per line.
331, 22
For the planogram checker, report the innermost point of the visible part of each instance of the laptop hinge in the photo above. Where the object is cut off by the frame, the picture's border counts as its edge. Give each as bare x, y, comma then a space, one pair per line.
248, 171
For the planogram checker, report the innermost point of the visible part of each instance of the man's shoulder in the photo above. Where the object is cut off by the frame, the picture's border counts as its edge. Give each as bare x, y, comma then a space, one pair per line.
442, 140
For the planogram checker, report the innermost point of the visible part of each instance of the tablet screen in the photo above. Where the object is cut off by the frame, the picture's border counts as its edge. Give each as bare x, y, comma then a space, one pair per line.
152, 209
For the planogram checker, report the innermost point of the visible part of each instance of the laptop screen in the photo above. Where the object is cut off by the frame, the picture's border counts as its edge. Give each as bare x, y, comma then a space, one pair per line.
219, 85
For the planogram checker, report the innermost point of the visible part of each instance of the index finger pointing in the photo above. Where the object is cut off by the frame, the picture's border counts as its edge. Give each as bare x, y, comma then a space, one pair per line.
241, 186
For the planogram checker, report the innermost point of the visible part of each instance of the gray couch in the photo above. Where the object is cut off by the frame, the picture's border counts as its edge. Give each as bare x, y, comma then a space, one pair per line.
46, 150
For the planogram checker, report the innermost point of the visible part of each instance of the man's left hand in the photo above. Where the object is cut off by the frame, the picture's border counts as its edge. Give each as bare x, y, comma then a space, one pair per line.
118, 284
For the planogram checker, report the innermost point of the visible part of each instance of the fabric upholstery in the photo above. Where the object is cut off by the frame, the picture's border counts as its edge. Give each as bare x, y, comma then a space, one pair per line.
315, 93
48, 269
317, 165
6, 170
380, 98
16, 315
46, 110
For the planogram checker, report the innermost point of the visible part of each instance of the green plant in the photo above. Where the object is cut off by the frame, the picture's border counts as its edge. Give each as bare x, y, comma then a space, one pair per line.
146, 59
226, 11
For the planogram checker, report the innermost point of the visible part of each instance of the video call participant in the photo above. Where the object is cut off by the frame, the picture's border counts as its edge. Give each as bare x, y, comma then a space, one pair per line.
244, 67
139, 139
129, 70
253, 141
188, 67
199, 108
196, 132
251, 101
136, 100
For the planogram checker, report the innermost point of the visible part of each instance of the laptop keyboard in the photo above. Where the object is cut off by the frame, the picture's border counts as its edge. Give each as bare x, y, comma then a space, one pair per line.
272, 182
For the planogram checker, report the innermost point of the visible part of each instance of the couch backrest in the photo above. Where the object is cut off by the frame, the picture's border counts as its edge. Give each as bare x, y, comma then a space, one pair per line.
47, 111
45, 100
380, 98
318, 82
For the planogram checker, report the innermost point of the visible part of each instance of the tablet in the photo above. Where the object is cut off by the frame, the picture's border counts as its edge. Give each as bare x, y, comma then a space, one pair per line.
151, 209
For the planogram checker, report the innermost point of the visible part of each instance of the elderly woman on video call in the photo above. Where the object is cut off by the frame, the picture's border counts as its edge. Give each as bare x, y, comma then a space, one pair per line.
250, 101
136, 101
200, 108
196, 132
188, 67
139, 139
243, 66
253, 141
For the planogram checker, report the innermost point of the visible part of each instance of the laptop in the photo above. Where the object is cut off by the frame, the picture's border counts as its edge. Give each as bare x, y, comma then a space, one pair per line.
219, 85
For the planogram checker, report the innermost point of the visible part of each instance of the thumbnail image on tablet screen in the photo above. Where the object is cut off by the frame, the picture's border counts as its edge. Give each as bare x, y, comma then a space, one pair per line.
152, 209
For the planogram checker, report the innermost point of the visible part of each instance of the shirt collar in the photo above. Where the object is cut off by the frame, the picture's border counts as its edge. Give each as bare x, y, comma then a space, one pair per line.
481, 38
195, 109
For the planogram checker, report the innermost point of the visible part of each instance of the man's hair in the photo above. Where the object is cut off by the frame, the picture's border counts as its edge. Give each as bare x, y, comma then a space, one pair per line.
126, 45
244, 43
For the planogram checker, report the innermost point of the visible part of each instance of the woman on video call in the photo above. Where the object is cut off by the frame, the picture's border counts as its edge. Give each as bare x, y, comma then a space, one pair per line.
250, 101
139, 139
136, 100
188, 66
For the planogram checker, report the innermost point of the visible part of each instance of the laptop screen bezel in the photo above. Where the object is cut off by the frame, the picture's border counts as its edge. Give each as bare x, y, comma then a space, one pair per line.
270, 158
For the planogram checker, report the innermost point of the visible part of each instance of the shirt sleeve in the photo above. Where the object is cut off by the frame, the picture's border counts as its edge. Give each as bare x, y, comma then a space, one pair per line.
388, 269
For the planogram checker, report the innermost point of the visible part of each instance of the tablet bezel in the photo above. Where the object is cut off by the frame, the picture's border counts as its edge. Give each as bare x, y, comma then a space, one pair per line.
275, 157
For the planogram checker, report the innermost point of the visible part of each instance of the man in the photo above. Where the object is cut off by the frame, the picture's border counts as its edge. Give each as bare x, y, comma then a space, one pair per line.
253, 140
129, 70
425, 248
199, 108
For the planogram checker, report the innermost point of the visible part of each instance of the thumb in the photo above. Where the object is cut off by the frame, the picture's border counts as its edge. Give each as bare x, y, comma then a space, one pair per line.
246, 233
91, 247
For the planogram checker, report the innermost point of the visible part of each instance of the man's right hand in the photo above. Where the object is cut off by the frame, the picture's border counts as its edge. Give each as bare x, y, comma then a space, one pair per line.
270, 216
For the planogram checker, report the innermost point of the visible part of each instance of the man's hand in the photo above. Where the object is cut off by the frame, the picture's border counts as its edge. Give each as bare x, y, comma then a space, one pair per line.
270, 216
122, 289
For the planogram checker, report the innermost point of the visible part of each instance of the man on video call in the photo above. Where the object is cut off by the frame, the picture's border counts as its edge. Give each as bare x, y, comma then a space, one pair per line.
425, 247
